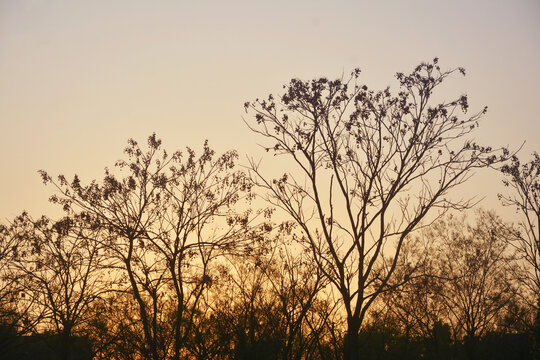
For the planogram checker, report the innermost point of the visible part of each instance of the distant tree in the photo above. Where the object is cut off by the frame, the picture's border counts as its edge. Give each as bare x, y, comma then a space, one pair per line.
14, 309
164, 218
416, 306
524, 183
247, 311
113, 329
326, 326
477, 272
524, 194
61, 274
364, 169
19, 313
266, 303
296, 282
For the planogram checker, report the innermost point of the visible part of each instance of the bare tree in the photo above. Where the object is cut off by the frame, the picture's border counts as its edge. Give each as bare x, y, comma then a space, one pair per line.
61, 274
524, 181
114, 330
17, 312
295, 282
476, 271
267, 304
366, 168
246, 311
415, 306
164, 222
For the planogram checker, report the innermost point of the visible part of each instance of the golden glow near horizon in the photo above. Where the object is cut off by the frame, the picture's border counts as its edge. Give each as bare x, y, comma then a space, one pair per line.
78, 78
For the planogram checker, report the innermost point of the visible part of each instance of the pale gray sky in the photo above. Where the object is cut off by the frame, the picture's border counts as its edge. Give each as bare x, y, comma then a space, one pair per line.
78, 78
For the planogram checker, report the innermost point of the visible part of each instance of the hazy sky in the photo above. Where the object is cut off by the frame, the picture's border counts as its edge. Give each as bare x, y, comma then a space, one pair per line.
78, 78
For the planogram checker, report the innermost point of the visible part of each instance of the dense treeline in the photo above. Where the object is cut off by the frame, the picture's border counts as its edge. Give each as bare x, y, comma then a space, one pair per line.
356, 250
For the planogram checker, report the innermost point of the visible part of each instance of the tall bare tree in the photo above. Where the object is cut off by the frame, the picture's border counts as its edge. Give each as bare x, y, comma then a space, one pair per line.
163, 219
366, 167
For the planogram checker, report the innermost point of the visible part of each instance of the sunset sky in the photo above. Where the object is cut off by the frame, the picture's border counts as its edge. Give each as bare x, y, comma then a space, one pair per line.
78, 78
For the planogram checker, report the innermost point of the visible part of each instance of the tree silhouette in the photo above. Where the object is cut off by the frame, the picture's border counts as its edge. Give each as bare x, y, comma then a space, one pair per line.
14, 308
415, 306
163, 223
478, 270
524, 181
61, 274
366, 168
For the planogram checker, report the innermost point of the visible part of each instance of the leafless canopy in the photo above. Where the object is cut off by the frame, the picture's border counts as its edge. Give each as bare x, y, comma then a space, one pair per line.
368, 167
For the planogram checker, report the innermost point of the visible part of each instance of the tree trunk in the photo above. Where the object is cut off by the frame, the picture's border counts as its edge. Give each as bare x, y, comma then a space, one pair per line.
470, 347
65, 345
351, 343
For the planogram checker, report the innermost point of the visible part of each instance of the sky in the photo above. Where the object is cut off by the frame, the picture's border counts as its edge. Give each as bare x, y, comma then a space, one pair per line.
78, 78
